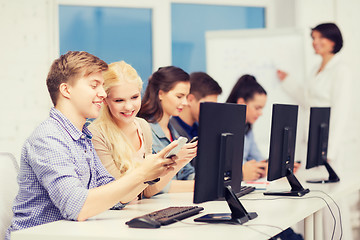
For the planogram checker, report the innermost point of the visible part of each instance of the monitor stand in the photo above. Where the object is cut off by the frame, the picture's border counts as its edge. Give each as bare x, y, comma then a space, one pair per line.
238, 214
333, 177
296, 187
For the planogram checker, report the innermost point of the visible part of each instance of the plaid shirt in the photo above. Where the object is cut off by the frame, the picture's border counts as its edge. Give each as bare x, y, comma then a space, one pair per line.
58, 166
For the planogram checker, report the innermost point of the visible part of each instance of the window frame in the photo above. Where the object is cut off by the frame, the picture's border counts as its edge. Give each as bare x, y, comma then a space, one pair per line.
161, 20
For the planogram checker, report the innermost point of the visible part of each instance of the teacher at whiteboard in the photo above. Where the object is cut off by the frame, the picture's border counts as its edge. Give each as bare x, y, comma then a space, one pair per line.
328, 85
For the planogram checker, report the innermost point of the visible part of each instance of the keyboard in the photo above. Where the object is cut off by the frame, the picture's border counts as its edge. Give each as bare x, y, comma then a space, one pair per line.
164, 217
245, 190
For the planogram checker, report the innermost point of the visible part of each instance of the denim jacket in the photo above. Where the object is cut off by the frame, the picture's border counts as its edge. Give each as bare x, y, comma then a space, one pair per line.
160, 141
251, 150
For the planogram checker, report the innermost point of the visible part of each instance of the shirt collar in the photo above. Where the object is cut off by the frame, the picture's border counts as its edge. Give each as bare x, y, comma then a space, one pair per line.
333, 61
69, 126
157, 130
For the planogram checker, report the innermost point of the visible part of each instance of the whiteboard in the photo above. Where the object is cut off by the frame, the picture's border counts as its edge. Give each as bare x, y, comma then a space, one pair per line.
259, 52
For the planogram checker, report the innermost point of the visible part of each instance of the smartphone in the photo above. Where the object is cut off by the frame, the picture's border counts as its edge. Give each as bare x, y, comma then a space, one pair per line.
194, 139
175, 150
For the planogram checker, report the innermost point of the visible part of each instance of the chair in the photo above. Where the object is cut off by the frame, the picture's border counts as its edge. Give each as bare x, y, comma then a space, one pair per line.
8, 187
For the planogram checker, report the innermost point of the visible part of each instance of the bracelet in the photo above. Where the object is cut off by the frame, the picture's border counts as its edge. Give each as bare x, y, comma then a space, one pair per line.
152, 181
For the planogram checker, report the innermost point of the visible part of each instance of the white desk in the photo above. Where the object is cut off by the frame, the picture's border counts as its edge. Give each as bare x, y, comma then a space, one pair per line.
281, 213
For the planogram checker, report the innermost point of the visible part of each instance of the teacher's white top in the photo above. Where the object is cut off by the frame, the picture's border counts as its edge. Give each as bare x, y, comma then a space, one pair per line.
332, 87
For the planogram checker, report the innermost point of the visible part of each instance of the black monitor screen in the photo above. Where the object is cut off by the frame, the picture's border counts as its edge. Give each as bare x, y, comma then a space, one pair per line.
318, 137
318, 143
282, 140
220, 150
282, 148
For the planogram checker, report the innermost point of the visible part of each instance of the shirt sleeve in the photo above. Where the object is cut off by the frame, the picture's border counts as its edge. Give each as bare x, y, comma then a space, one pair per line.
103, 176
254, 152
186, 173
295, 90
54, 165
341, 102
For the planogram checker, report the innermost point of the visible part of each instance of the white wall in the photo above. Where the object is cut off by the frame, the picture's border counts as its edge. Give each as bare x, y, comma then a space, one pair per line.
29, 43
25, 47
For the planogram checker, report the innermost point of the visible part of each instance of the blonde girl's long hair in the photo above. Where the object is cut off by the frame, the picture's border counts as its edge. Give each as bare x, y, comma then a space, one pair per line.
119, 144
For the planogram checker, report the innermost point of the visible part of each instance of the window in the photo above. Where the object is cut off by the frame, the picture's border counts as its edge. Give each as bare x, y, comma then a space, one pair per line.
191, 21
111, 33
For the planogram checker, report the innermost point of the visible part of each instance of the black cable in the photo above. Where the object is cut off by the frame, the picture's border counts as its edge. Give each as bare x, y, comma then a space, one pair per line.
249, 226
291, 198
337, 206
266, 225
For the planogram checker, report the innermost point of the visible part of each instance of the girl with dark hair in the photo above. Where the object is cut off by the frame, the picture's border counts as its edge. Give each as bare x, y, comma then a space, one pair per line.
249, 92
165, 96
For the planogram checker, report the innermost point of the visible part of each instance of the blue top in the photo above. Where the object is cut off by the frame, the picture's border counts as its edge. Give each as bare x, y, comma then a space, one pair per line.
183, 128
251, 150
160, 141
58, 166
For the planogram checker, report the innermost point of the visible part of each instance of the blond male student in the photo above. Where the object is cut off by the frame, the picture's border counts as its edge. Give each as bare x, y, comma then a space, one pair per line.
61, 177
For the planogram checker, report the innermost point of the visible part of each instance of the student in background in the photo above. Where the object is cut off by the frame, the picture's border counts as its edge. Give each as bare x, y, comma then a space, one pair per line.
165, 96
249, 92
60, 176
203, 88
122, 140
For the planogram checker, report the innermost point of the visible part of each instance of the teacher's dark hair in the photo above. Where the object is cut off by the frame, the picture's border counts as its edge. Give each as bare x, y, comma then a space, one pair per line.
165, 79
245, 88
331, 32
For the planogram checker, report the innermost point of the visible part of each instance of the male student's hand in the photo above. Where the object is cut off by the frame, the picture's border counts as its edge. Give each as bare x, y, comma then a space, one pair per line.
157, 165
264, 164
297, 165
253, 170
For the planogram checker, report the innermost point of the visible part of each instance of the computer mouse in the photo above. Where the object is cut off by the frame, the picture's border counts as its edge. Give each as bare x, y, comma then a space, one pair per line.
143, 222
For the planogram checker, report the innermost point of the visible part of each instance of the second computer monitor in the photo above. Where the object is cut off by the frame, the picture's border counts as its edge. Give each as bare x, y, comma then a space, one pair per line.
282, 140
282, 148
318, 142
220, 150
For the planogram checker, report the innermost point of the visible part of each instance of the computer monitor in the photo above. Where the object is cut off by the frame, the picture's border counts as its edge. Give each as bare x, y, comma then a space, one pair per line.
282, 148
218, 167
318, 143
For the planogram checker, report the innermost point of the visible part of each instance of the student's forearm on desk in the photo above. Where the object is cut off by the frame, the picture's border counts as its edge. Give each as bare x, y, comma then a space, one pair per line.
102, 198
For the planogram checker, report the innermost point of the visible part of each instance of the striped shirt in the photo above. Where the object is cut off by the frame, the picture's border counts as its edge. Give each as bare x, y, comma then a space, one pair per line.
58, 166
